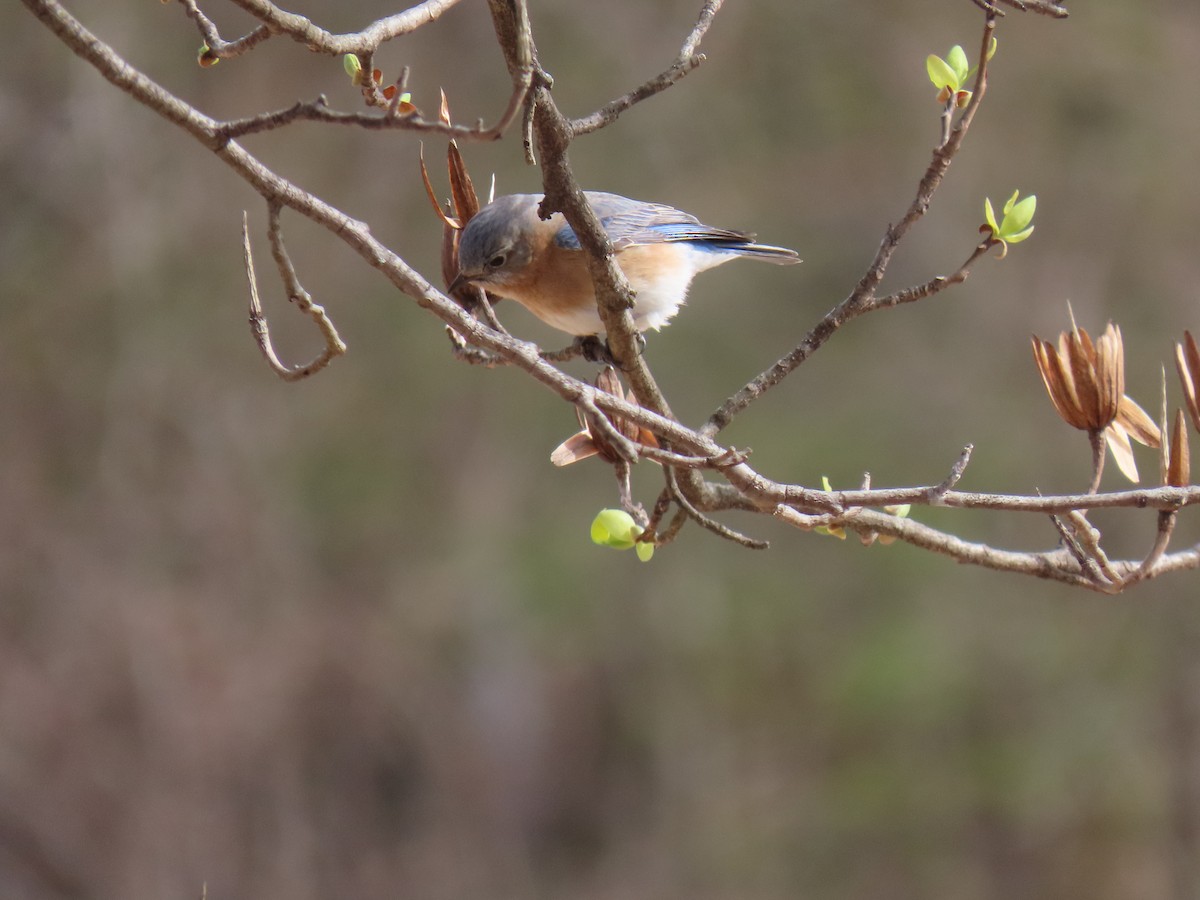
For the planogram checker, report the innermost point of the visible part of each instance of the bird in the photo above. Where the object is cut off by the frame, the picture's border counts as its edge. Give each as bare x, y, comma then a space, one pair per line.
509, 251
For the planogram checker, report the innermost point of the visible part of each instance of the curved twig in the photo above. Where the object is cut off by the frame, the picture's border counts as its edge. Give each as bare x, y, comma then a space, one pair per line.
296, 293
218, 48
707, 522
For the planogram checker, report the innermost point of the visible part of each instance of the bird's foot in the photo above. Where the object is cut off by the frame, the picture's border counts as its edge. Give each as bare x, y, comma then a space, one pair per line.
593, 349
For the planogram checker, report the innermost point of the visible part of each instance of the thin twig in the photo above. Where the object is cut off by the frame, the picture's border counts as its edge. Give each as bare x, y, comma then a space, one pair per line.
929, 288
571, 351
706, 522
626, 449
217, 46
1086, 564
480, 357
297, 294
318, 110
482, 307
862, 297
623, 470
687, 60
474, 356
1088, 537
947, 118
729, 458
362, 44
1162, 539
937, 495
807, 521
1045, 7
661, 506
1147, 498
527, 112
1096, 439
303, 30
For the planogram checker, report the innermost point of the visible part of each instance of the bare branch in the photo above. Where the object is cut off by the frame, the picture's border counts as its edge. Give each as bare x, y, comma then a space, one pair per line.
296, 293
687, 60
729, 458
623, 470
938, 494
1151, 498
706, 522
1099, 451
367, 40
362, 44
686, 453
661, 506
1058, 565
1045, 7
861, 299
318, 110
472, 355
614, 298
217, 47
1162, 539
625, 448
931, 287
1087, 563
1088, 537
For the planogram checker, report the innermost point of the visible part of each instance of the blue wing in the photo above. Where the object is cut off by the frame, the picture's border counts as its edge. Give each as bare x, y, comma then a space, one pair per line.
631, 222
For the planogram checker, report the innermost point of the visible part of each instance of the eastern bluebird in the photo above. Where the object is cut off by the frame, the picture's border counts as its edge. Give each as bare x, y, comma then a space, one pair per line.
509, 251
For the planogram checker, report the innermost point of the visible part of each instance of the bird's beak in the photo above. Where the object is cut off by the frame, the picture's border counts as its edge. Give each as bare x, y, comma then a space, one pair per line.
460, 280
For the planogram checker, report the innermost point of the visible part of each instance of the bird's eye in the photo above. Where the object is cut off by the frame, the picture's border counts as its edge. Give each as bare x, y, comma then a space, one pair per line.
497, 261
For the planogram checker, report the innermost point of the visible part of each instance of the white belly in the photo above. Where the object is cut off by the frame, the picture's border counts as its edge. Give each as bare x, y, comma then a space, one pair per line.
660, 275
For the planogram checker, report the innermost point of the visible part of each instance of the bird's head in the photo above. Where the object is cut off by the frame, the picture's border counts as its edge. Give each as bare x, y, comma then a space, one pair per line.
495, 247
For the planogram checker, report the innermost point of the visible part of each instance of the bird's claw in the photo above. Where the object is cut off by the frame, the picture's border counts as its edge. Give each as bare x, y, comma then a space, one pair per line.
593, 349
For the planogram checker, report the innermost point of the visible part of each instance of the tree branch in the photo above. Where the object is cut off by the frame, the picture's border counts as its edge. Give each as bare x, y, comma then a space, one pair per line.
685, 453
368, 40
318, 110
296, 293
862, 298
687, 60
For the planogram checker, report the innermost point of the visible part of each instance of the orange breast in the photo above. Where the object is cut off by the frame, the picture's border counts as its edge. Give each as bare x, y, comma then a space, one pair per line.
557, 281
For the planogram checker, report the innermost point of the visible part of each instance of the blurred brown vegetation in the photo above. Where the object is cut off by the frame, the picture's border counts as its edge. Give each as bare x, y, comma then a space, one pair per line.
348, 638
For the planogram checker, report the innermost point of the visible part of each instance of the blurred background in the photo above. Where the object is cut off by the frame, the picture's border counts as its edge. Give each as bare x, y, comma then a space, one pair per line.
349, 638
